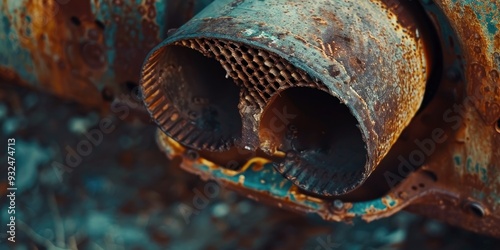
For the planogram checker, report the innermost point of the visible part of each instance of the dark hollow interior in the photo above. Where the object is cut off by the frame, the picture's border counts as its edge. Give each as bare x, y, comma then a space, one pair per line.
318, 128
198, 88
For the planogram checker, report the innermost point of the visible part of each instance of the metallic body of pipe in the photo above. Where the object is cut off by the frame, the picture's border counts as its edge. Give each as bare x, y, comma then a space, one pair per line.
369, 55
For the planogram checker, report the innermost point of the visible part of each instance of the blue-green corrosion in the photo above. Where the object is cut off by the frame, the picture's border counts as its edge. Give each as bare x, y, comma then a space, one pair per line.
265, 179
19, 59
489, 20
107, 10
12, 54
472, 167
487, 13
373, 206
473, 20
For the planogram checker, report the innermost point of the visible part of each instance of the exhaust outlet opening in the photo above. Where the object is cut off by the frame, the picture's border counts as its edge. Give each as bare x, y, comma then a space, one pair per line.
324, 149
194, 79
381, 78
191, 98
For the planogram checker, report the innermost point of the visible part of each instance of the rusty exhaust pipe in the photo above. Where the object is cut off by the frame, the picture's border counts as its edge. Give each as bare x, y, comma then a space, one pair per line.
327, 85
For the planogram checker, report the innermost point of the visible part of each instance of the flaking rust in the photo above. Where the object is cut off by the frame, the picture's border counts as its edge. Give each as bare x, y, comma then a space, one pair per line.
445, 163
274, 65
466, 167
442, 161
87, 51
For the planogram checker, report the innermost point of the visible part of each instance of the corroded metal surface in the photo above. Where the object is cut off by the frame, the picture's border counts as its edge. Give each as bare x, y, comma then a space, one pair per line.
90, 50
70, 47
126, 195
452, 141
466, 164
369, 55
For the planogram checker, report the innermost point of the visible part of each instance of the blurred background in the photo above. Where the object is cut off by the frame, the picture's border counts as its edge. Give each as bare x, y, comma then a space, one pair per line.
125, 194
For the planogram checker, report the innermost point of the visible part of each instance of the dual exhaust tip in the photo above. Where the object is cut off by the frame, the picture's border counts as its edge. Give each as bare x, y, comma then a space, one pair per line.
204, 104
324, 115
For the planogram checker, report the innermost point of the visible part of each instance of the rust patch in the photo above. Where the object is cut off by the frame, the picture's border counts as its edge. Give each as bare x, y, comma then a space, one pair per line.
482, 74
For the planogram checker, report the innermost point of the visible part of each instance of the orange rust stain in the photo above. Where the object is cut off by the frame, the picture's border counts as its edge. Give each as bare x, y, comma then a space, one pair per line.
55, 47
131, 50
47, 42
257, 167
300, 196
482, 73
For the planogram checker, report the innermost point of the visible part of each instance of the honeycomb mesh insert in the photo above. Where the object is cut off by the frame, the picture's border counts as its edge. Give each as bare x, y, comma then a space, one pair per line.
259, 73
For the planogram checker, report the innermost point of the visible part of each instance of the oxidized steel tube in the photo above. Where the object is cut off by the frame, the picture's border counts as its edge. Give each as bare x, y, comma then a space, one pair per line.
328, 85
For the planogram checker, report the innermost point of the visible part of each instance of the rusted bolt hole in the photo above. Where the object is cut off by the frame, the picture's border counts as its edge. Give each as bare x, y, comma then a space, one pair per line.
403, 195
416, 187
497, 126
338, 204
192, 154
75, 20
475, 208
